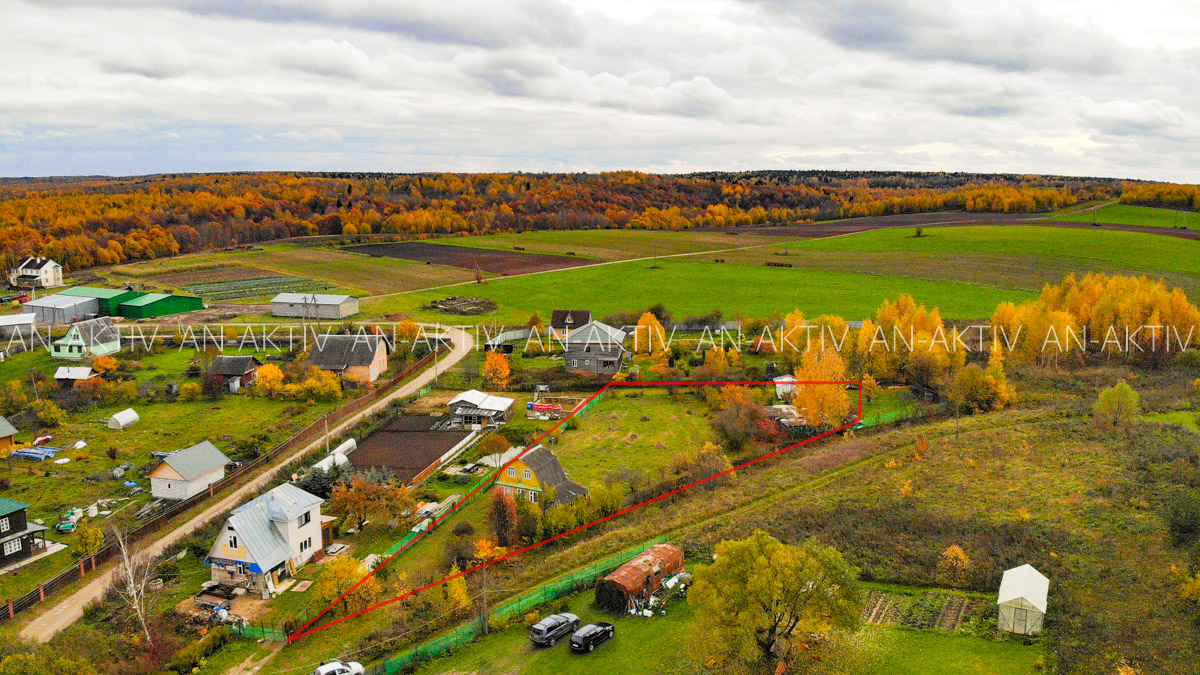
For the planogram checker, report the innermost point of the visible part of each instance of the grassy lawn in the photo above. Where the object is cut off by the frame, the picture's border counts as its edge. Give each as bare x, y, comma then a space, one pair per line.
1132, 249
696, 288
907, 651
1188, 419
668, 644
1126, 214
640, 646
610, 244
613, 437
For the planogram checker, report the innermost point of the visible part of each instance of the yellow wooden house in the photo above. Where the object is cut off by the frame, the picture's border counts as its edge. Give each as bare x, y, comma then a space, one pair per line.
531, 475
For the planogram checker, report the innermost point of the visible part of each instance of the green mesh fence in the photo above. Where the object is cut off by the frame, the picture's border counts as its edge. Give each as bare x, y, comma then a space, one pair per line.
517, 607
476, 491
259, 633
885, 418
590, 404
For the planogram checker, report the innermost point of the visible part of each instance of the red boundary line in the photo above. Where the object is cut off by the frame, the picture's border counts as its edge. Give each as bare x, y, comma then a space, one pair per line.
305, 630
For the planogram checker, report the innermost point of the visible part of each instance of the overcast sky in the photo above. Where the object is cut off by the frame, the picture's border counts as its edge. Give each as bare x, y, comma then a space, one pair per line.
1078, 87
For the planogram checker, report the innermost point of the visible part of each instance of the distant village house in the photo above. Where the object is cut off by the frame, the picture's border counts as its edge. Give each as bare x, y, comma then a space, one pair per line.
36, 272
362, 357
234, 372
562, 321
475, 409
595, 348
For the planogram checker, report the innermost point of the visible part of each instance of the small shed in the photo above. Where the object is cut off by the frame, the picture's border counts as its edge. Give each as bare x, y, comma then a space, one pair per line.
188, 472
785, 387
1022, 600
153, 305
639, 578
69, 375
17, 326
313, 306
7, 432
123, 419
234, 371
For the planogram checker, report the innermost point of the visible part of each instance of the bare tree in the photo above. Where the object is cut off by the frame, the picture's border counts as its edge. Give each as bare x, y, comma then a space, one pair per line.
134, 572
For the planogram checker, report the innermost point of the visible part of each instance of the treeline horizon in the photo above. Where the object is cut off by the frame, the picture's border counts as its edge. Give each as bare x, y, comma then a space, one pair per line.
88, 221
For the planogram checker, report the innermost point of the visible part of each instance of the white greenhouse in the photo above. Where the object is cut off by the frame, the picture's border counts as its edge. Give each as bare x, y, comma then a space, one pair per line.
1022, 600
123, 419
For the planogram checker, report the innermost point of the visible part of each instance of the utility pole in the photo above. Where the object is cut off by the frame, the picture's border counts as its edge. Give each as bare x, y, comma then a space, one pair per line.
485, 603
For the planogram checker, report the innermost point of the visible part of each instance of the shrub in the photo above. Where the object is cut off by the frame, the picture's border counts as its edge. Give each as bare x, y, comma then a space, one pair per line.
1183, 518
190, 657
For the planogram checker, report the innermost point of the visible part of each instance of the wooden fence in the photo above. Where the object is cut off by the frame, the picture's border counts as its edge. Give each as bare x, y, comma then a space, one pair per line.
151, 523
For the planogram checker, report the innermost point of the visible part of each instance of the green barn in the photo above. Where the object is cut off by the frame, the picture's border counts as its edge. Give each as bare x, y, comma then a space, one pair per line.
153, 305
110, 299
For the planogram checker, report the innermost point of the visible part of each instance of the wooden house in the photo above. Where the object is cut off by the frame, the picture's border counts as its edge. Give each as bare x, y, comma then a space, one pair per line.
534, 474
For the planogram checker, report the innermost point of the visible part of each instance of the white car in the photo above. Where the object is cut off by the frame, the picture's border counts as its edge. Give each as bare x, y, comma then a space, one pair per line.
339, 668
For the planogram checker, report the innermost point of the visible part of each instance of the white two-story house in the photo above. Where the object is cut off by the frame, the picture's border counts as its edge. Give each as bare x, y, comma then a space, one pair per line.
36, 272
268, 539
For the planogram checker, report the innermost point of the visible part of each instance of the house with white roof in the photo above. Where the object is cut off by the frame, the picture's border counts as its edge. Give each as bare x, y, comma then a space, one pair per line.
1022, 600
188, 472
313, 306
475, 409
269, 538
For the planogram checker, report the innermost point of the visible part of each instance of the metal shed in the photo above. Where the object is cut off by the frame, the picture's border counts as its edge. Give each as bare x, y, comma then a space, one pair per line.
153, 305
123, 419
110, 299
639, 578
313, 306
59, 309
1022, 600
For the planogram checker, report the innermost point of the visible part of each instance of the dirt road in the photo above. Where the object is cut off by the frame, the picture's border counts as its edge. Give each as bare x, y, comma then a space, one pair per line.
70, 608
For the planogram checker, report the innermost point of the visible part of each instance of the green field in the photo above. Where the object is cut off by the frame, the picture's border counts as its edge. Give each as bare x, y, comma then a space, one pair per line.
608, 245
696, 288
1130, 249
1126, 214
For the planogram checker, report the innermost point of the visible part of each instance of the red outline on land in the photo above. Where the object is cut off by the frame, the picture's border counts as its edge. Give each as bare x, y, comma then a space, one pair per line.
305, 630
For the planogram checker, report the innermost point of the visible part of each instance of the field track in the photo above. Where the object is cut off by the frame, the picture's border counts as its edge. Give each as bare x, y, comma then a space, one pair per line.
485, 259
835, 228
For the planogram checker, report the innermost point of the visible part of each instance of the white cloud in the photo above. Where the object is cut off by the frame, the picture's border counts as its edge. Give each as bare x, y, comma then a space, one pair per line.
133, 86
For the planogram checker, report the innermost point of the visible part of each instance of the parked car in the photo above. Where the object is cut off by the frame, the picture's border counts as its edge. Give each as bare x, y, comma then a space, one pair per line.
8, 298
548, 631
339, 668
590, 636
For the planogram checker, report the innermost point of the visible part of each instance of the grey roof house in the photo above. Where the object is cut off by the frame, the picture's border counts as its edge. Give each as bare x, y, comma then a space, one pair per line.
539, 470
596, 348
363, 357
188, 472
269, 538
313, 306
235, 371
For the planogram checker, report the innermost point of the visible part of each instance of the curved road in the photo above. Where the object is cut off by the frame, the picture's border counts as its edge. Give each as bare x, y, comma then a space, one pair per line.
70, 608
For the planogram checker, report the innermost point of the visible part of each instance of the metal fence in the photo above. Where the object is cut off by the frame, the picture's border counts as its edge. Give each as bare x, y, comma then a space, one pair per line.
515, 608
152, 523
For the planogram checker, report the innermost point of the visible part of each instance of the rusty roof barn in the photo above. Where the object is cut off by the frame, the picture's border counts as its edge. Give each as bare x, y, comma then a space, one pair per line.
639, 578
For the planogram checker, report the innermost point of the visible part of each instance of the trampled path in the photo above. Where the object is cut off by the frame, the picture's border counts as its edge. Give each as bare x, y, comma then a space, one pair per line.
68, 610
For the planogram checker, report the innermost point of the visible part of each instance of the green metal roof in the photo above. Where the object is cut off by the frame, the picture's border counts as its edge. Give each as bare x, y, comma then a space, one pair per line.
8, 506
146, 299
93, 292
6, 428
